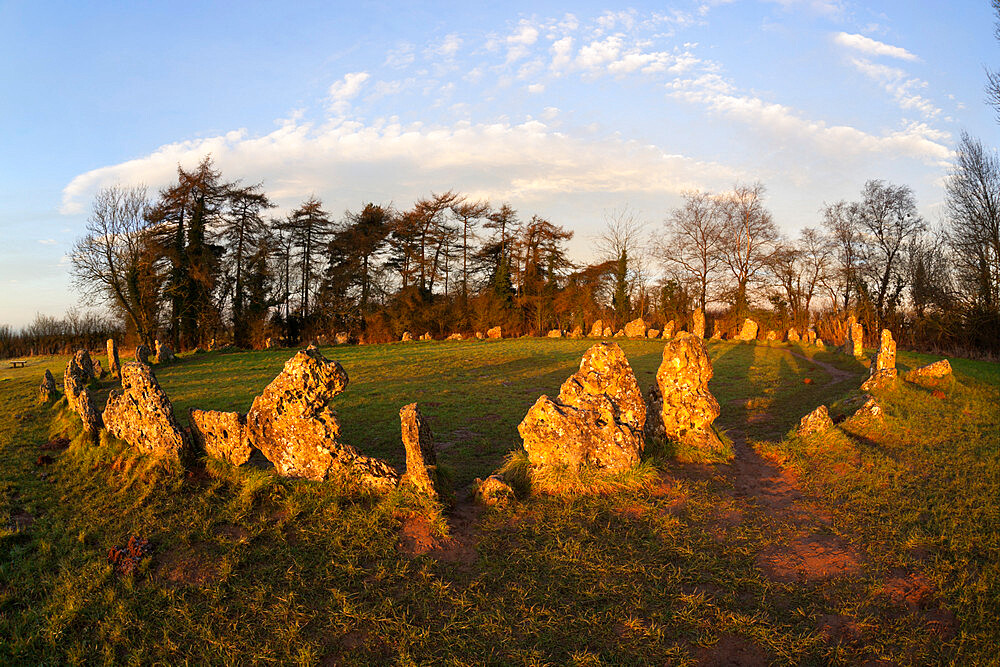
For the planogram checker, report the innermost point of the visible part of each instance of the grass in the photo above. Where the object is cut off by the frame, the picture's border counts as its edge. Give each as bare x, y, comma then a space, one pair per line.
665, 569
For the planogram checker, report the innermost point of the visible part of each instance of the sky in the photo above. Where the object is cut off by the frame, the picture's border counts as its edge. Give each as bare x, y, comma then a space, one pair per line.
570, 111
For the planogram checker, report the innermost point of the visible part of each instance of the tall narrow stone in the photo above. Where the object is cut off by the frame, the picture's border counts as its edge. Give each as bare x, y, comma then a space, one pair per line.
419, 445
882, 371
114, 364
681, 406
141, 414
47, 391
749, 330
698, 323
668, 329
597, 330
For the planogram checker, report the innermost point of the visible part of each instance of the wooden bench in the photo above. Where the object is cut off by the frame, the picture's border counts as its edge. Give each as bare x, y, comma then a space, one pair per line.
18, 363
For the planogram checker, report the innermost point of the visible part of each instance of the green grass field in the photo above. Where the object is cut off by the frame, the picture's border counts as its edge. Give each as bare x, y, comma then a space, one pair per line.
870, 542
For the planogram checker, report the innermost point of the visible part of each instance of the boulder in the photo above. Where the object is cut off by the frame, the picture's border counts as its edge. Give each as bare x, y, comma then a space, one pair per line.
870, 409
407, 337
164, 355
47, 391
480, 335
597, 420
427, 336
771, 335
141, 414
698, 323
619, 334
454, 336
221, 434
493, 491
577, 332
636, 328
681, 406
793, 335
597, 330
816, 421
114, 363
930, 375
421, 459
653, 333
293, 424
607, 333
495, 332
749, 330
554, 333
668, 329
343, 338
882, 371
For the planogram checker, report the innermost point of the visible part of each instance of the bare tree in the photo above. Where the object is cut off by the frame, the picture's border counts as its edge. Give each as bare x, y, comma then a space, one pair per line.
693, 242
841, 222
993, 76
748, 236
973, 224
622, 242
889, 223
468, 214
800, 268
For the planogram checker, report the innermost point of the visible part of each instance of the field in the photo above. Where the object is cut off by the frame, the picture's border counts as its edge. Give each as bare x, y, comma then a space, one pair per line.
871, 542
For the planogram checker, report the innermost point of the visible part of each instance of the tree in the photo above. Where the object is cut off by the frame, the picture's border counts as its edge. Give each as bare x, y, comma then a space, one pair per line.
544, 262
993, 76
115, 261
468, 214
243, 230
972, 200
748, 236
621, 242
308, 227
889, 222
800, 268
841, 222
693, 241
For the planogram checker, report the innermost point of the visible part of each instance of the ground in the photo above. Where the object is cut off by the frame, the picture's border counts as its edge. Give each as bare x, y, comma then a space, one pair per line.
873, 543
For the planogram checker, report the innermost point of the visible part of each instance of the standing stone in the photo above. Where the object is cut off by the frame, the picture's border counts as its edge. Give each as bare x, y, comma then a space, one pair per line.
407, 337
681, 406
793, 335
608, 332
856, 339
716, 331
653, 333
577, 332
811, 336
749, 330
480, 335
427, 336
293, 424
698, 323
87, 410
930, 375
636, 328
47, 391
221, 434
820, 344
454, 336
114, 364
816, 421
597, 330
83, 362
79, 372
268, 343
141, 414
555, 333
343, 338
164, 355
420, 454
495, 332
668, 329
771, 335
597, 420
99, 371
882, 371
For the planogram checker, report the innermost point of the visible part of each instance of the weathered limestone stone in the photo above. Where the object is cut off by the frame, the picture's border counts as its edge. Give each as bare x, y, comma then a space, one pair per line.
268, 343
820, 344
577, 332
771, 335
619, 334
211, 345
856, 341
554, 333
164, 355
99, 371
930, 375
221, 434
493, 491
811, 336
407, 337
480, 335
293, 424
816, 421
749, 330
870, 409
79, 372
454, 336
636, 328
668, 329
82, 361
698, 323
716, 330
89, 415
607, 333
420, 454
597, 420
495, 332
653, 333
141, 414
114, 363
681, 406
597, 330
882, 371
426, 336
47, 391
793, 335
343, 338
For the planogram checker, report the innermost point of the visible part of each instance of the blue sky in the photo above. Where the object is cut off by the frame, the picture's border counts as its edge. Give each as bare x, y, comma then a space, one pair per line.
569, 111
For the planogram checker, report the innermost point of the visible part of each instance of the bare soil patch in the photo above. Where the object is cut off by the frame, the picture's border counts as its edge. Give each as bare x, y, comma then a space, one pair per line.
734, 651
187, 565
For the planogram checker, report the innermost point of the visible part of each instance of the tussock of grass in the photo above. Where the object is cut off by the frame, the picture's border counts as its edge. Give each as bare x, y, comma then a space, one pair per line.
588, 481
663, 450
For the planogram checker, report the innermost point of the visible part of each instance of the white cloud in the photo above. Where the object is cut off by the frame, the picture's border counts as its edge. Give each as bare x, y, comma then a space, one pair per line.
536, 88
599, 53
346, 162
896, 83
562, 53
346, 89
48, 241
520, 41
448, 47
872, 47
